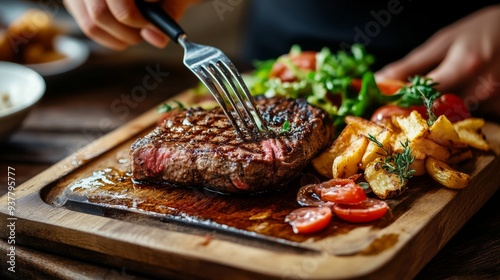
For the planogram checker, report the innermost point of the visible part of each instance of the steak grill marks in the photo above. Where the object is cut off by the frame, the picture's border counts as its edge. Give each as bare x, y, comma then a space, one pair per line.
197, 147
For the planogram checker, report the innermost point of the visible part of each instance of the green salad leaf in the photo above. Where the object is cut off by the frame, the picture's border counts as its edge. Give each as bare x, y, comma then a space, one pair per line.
341, 83
329, 86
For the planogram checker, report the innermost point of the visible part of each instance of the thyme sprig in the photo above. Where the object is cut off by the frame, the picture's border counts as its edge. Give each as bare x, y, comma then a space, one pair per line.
397, 163
286, 127
421, 88
165, 107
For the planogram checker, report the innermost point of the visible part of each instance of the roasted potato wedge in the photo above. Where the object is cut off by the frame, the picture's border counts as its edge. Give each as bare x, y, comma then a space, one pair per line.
459, 157
397, 140
443, 132
470, 124
434, 148
421, 148
383, 184
469, 131
323, 163
347, 163
473, 138
445, 175
413, 125
365, 127
419, 166
424, 147
373, 151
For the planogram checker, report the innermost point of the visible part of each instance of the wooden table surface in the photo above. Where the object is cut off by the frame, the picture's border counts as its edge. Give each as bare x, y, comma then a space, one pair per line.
86, 103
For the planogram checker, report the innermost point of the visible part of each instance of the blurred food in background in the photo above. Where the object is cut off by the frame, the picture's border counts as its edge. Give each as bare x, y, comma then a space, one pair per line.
5, 101
30, 39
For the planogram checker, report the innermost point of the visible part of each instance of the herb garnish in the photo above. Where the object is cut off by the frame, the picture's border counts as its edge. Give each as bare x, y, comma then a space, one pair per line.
397, 163
420, 91
165, 107
286, 126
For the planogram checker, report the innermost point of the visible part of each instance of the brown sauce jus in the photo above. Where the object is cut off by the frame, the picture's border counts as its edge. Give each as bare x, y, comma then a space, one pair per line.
262, 213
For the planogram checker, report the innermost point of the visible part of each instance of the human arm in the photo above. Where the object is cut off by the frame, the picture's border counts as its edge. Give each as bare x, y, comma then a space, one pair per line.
119, 24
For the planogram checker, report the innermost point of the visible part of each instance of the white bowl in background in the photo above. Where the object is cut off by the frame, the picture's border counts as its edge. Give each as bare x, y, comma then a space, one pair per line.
25, 88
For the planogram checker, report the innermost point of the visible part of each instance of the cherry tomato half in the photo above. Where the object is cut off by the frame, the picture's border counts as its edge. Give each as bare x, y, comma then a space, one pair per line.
309, 219
310, 195
452, 106
369, 210
305, 60
347, 194
339, 182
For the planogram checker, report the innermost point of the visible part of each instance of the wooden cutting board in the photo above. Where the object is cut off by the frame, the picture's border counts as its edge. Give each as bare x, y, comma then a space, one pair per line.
87, 207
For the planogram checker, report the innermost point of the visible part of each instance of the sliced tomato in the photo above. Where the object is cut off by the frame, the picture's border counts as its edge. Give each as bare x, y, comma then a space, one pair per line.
346, 194
309, 219
310, 195
452, 106
369, 210
305, 60
337, 182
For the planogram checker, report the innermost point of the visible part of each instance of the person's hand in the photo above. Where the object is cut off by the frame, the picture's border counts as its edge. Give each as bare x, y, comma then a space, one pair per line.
119, 24
464, 58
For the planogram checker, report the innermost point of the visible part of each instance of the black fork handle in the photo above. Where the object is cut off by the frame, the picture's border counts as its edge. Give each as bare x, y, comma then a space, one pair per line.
157, 16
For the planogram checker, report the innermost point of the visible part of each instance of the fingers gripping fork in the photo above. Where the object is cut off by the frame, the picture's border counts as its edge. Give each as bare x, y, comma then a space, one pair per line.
215, 71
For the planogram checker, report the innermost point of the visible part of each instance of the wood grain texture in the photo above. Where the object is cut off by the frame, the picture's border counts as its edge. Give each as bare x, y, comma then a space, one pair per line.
422, 224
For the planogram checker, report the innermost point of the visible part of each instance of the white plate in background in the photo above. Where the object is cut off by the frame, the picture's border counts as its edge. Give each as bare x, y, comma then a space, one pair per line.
75, 51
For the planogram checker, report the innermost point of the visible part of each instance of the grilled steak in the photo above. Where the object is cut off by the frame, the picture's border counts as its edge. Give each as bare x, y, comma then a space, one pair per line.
197, 147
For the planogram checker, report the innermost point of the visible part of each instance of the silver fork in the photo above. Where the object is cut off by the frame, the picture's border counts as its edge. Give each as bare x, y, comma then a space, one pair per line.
215, 71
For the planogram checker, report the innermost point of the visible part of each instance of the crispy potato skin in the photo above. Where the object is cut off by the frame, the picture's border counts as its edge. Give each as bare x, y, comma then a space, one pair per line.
413, 125
469, 131
383, 184
323, 163
445, 175
443, 132
434, 148
346, 164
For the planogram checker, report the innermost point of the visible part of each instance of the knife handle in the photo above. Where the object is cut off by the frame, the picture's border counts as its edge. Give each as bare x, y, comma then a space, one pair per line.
156, 15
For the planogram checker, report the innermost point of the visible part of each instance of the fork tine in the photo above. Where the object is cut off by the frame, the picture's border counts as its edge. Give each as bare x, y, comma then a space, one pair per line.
234, 97
229, 66
224, 72
202, 74
215, 72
